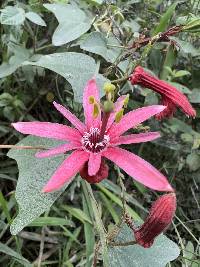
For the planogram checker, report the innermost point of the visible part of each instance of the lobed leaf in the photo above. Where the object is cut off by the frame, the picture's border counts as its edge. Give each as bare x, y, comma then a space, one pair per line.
33, 175
12, 15
76, 68
162, 252
73, 22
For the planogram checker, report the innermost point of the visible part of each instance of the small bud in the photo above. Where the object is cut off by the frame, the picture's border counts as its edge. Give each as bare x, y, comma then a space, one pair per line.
159, 218
109, 87
95, 110
126, 100
108, 106
92, 100
119, 115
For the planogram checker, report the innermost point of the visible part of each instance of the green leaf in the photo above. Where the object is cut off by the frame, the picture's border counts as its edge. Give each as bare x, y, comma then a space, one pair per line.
169, 61
78, 213
33, 175
193, 162
7, 69
186, 47
181, 87
35, 18
194, 97
97, 43
76, 68
20, 55
8, 251
118, 201
164, 22
88, 228
181, 73
50, 221
193, 25
162, 251
73, 22
12, 15
109, 205
181, 126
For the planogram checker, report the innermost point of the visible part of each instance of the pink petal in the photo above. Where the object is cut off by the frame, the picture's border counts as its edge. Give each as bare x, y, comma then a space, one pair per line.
133, 118
71, 117
94, 163
141, 170
91, 90
57, 150
66, 171
118, 106
135, 138
48, 130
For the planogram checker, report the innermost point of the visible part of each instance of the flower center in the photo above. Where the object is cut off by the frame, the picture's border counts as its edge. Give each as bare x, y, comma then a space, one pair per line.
91, 141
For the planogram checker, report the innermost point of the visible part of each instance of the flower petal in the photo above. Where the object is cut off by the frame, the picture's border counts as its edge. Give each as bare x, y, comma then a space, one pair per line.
141, 170
117, 107
71, 117
135, 138
57, 150
94, 163
48, 130
91, 90
66, 171
133, 118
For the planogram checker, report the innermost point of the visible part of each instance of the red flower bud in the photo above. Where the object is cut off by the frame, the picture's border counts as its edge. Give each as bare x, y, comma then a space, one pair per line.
98, 177
159, 218
171, 97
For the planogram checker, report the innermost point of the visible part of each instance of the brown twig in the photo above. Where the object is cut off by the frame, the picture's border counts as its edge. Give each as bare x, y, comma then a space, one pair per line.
22, 147
162, 37
41, 247
96, 253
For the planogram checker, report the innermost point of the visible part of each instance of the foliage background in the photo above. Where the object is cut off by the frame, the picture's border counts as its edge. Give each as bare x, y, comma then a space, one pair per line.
101, 30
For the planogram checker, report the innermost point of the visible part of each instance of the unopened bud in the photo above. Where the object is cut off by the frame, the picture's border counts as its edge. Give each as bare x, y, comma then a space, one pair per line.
159, 218
119, 115
108, 106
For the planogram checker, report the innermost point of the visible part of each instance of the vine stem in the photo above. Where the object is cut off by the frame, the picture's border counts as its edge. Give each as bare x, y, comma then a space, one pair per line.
123, 79
96, 253
100, 228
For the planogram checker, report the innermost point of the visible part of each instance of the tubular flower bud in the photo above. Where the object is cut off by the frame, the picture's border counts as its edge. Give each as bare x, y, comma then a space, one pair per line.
98, 177
158, 220
170, 96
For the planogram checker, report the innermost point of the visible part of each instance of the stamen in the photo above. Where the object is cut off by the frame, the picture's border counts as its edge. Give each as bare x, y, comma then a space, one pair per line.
92, 143
119, 115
